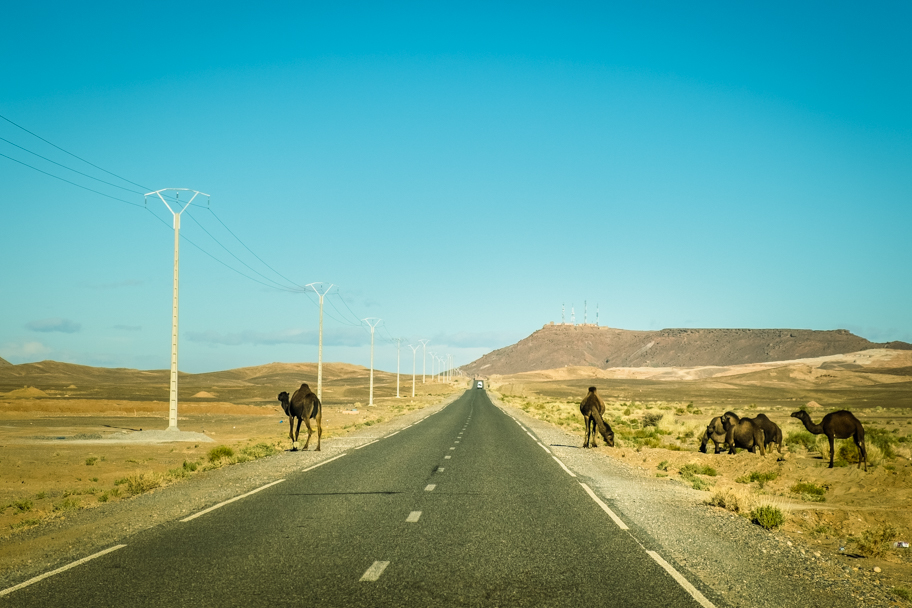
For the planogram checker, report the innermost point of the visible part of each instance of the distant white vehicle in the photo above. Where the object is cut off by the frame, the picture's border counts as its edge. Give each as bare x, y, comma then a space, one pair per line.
480, 384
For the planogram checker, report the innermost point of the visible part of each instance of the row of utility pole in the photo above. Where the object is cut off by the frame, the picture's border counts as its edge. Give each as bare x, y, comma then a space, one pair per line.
372, 322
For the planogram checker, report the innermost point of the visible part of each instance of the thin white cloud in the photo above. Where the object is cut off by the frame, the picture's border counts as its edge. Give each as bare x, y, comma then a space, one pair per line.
18, 352
56, 324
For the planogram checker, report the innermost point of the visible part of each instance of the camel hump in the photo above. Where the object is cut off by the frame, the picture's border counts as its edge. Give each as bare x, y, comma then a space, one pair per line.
591, 389
304, 386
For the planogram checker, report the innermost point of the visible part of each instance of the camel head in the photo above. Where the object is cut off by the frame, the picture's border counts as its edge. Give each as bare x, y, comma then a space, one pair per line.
608, 436
801, 415
729, 419
283, 399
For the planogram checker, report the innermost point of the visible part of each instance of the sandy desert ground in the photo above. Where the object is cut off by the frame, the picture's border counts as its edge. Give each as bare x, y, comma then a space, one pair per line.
60, 451
659, 415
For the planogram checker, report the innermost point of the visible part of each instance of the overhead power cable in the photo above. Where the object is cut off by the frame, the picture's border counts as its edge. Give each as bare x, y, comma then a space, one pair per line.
73, 155
69, 182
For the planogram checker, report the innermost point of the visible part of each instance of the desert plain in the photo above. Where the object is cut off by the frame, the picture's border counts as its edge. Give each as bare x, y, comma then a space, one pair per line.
73, 437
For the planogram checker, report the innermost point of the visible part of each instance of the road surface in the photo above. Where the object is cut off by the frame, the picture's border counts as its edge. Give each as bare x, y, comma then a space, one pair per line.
463, 508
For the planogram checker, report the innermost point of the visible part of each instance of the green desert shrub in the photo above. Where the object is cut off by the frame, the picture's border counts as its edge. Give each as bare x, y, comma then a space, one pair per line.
809, 492
143, 482
760, 478
91, 460
768, 517
801, 438
875, 542
219, 452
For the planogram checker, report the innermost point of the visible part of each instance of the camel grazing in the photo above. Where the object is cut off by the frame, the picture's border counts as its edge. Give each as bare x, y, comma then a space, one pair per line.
838, 425
742, 433
303, 405
772, 434
592, 409
714, 432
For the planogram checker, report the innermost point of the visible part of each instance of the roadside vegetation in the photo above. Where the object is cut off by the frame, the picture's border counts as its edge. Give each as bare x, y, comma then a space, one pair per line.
57, 503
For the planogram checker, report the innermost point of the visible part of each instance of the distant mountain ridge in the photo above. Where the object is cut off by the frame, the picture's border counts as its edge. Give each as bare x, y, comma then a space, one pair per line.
4, 361
557, 345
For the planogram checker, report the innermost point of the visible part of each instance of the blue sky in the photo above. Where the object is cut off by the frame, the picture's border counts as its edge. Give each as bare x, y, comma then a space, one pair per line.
459, 171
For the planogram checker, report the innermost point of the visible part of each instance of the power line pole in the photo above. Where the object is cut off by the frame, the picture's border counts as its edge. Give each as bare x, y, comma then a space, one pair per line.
423, 359
320, 341
414, 356
398, 346
596, 314
433, 365
585, 312
172, 408
372, 326
563, 317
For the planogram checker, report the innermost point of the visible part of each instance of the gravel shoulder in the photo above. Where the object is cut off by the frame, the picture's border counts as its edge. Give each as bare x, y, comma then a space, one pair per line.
743, 564
63, 540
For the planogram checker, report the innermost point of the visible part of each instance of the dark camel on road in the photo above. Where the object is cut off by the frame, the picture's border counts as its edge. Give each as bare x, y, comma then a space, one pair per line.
838, 425
592, 409
303, 405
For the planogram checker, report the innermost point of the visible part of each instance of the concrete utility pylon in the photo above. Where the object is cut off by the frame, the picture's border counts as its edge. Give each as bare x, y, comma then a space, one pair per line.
172, 407
320, 340
423, 359
414, 356
372, 326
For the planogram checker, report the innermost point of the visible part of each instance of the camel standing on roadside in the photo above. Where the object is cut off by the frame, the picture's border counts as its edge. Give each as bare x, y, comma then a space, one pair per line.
772, 434
742, 433
592, 409
838, 425
714, 432
303, 405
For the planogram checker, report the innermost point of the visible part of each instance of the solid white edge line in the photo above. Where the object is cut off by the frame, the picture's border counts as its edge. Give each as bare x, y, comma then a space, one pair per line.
366, 444
543, 446
391, 434
604, 507
41, 577
374, 572
430, 487
563, 466
229, 501
693, 591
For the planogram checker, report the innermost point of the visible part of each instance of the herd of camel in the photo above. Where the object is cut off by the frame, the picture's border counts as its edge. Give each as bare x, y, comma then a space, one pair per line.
748, 433
729, 429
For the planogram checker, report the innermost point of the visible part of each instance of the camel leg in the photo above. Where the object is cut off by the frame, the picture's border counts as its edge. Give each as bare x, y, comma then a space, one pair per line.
309, 432
862, 454
832, 451
586, 424
291, 432
297, 434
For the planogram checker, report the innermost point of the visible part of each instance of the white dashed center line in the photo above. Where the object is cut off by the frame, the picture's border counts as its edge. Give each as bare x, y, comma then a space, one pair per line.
374, 572
452, 448
413, 516
430, 487
440, 470
447, 457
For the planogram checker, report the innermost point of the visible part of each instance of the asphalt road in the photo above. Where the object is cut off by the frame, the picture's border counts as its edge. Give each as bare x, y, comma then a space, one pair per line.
464, 508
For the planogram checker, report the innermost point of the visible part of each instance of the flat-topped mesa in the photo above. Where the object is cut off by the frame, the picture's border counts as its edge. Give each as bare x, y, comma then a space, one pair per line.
586, 345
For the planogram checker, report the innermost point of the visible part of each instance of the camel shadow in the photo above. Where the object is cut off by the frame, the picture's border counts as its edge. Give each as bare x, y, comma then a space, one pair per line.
561, 445
122, 428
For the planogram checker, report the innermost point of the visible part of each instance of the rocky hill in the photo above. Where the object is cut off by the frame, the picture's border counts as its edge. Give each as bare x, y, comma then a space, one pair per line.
556, 345
4, 361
